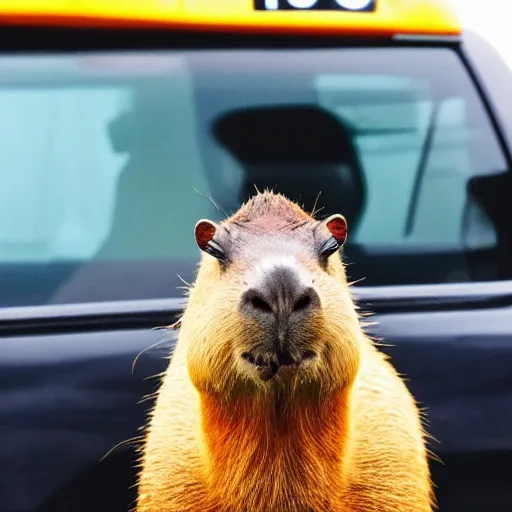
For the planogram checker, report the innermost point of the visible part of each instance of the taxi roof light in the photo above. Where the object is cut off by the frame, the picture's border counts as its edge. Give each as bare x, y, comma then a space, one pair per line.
389, 17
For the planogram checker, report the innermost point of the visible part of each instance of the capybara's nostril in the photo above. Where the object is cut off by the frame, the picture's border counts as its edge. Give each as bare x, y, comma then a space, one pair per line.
255, 302
302, 303
280, 293
308, 299
260, 304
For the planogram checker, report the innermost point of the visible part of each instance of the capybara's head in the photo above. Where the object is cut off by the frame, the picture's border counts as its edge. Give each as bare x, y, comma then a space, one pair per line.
271, 308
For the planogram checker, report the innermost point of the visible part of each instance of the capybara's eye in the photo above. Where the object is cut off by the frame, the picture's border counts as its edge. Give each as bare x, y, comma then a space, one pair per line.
216, 251
329, 247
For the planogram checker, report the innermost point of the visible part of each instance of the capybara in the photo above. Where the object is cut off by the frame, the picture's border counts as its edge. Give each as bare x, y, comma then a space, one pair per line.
275, 400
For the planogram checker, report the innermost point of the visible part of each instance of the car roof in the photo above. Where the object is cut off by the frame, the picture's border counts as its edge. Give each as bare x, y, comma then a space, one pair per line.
390, 17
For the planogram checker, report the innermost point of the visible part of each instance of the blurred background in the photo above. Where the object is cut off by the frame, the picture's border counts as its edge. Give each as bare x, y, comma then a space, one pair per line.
491, 19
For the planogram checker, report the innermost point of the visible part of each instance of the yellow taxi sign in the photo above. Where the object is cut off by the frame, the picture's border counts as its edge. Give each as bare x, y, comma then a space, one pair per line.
344, 17
317, 5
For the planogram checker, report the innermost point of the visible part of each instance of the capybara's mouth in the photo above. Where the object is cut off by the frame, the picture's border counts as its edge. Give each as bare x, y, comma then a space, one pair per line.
270, 364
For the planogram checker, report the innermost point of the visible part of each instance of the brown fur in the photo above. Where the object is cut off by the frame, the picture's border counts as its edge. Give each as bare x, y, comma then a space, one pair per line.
343, 435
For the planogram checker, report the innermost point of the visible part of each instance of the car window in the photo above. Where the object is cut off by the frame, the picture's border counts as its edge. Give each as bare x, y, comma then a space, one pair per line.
389, 160
109, 160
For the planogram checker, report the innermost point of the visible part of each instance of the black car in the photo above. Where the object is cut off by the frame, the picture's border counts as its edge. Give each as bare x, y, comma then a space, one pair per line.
114, 143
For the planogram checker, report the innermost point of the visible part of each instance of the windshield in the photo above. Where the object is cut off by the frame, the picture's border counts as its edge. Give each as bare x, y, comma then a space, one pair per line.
108, 161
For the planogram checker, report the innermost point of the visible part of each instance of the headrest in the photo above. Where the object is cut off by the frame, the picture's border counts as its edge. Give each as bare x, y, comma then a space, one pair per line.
300, 151
298, 135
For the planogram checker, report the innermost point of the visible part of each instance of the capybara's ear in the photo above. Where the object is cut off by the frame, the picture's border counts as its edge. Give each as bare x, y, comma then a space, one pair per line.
204, 232
337, 226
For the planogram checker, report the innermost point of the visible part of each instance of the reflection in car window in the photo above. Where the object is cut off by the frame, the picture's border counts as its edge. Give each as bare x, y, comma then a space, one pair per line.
108, 162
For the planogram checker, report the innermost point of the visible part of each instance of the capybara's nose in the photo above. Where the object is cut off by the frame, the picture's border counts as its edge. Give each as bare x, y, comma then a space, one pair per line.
280, 295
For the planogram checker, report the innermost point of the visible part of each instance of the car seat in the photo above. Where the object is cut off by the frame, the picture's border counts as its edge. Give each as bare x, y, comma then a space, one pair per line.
303, 152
